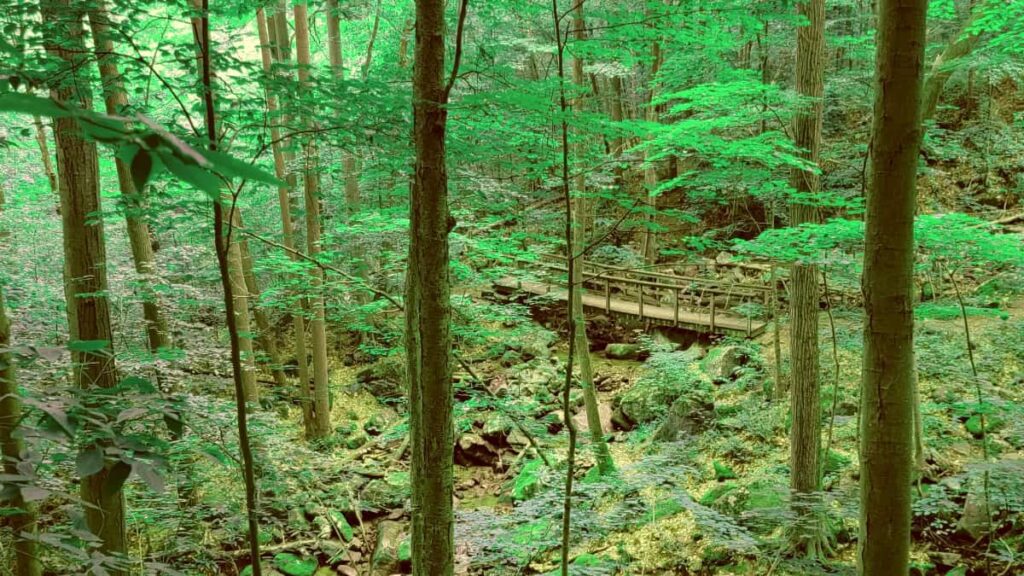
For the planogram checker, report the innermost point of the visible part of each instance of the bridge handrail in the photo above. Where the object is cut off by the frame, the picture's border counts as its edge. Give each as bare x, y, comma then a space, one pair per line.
677, 282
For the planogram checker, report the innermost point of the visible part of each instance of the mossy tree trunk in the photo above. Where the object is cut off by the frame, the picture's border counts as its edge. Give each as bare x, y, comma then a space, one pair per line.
427, 308
887, 421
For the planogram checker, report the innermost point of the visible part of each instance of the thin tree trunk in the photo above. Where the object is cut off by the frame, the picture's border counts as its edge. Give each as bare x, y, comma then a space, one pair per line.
427, 307
116, 100
648, 246
284, 203
887, 422
51, 177
85, 254
12, 451
44, 153
321, 416
222, 234
581, 222
266, 333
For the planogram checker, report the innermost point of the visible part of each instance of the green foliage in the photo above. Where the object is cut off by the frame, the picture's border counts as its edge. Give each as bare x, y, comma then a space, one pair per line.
668, 376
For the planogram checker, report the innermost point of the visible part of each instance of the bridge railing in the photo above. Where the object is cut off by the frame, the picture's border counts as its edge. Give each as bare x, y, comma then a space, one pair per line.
681, 293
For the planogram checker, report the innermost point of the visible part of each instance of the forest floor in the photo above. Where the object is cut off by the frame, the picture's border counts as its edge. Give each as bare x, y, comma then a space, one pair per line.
701, 455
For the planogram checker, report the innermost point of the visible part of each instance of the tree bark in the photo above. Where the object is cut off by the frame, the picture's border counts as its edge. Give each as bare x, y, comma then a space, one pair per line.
805, 404
12, 451
285, 204
427, 307
116, 100
581, 222
320, 425
266, 333
84, 253
44, 153
222, 238
887, 422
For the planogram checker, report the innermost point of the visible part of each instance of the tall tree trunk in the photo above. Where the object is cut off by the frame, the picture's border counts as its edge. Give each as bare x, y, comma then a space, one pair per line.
233, 252
805, 406
581, 221
648, 247
116, 100
266, 332
23, 522
427, 308
887, 422
223, 240
320, 425
85, 254
51, 178
284, 203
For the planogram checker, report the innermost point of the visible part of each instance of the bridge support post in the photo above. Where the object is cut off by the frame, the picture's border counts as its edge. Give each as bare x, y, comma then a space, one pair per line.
641, 299
675, 315
608, 296
712, 313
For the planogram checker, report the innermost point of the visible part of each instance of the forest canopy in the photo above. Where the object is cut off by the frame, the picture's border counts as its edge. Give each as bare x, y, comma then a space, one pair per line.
589, 287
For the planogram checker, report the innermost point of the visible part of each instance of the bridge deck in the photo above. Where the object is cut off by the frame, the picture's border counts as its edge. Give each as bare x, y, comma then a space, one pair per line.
716, 322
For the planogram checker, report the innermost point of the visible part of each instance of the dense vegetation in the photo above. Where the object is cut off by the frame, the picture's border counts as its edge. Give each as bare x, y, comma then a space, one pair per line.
583, 287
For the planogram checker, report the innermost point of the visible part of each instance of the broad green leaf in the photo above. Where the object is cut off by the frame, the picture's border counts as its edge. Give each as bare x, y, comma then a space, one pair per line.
89, 461
34, 105
89, 346
116, 478
231, 167
193, 174
141, 168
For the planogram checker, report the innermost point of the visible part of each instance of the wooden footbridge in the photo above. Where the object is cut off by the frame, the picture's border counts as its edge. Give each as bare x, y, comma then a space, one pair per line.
703, 303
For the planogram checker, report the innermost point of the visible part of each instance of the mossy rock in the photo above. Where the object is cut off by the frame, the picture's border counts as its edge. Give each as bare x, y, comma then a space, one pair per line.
294, 565
836, 462
623, 351
763, 494
993, 423
668, 377
528, 482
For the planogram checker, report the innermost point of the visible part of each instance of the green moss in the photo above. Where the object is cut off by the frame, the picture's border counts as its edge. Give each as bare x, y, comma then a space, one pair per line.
293, 565
717, 493
992, 424
664, 508
935, 311
527, 482
723, 471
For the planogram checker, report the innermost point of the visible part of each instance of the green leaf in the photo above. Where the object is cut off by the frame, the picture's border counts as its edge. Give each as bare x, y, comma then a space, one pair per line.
89, 346
293, 565
149, 475
34, 105
231, 167
89, 461
116, 478
142, 167
193, 174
